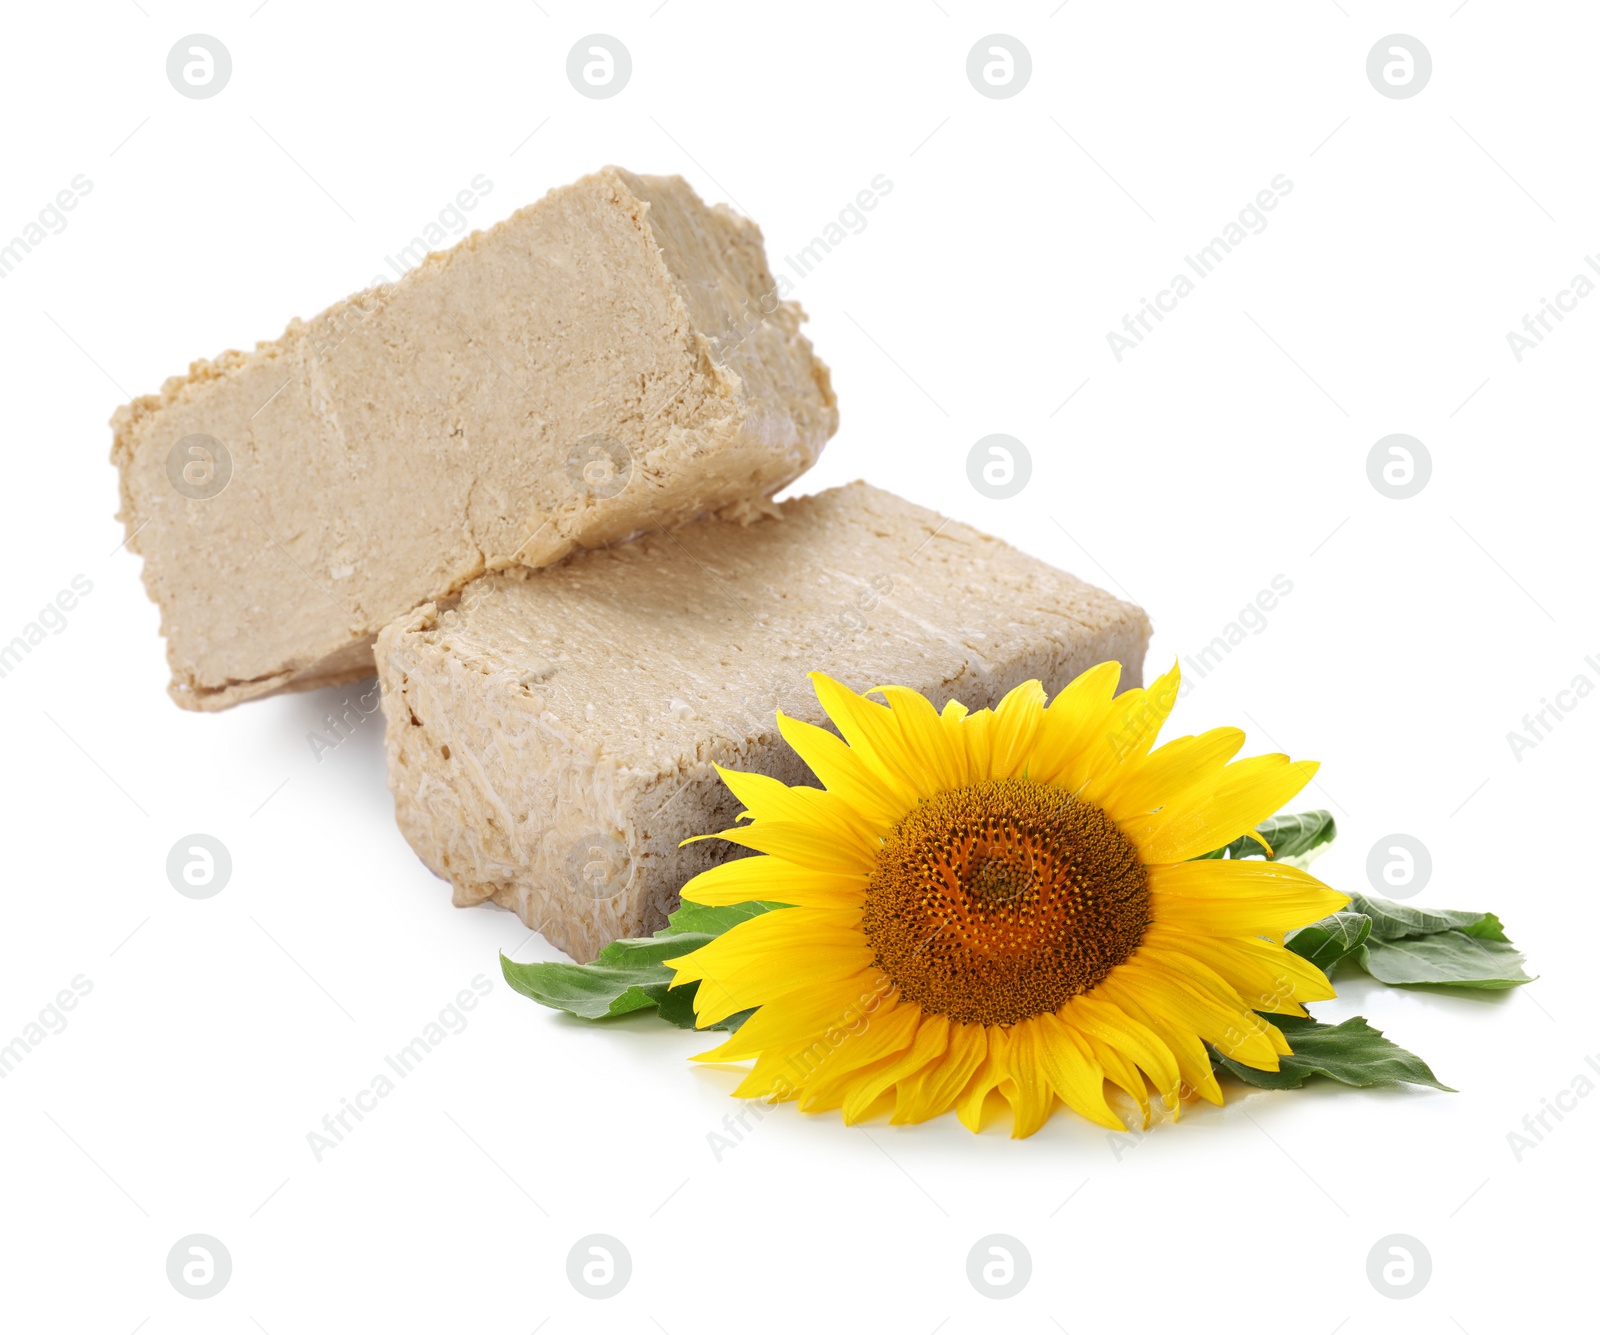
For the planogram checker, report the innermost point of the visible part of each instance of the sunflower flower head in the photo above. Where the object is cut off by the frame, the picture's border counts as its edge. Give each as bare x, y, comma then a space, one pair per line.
1005, 900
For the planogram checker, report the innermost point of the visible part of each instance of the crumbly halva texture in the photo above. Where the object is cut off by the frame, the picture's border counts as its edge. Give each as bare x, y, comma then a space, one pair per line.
611, 360
553, 736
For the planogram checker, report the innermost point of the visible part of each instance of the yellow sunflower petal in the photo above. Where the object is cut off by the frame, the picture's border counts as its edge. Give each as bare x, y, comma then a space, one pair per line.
790, 1063
932, 1091
1106, 1022
766, 799
1184, 1044
769, 1079
1230, 1027
842, 772
1137, 717
804, 1017
828, 1092
1027, 1086
764, 958
1221, 897
1016, 722
1121, 736
927, 1046
1088, 694
1169, 770
1072, 1073
1073, 720
930, 735
1121, 1072
1200, 978
752, 941
1266, 975
818, 847
725, 992
1242, 796
974, 736
985, 1080
870, 730
741, 880
889, 1034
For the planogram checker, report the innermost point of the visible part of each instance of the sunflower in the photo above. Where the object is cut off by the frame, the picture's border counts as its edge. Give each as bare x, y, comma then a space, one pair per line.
1005, 900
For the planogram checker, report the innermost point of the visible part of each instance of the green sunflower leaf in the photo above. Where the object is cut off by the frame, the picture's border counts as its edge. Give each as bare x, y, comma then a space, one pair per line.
1487, 928
1351, 1052
1445, 959
1436, 947
1289, 837
1392, 921
631, 974
1328, 940
713, 921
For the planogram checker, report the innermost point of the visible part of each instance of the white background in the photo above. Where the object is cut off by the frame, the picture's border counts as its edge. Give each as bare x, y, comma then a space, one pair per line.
1229, 448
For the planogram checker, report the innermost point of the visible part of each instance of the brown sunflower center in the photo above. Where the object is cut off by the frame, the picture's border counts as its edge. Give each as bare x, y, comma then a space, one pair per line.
999, 901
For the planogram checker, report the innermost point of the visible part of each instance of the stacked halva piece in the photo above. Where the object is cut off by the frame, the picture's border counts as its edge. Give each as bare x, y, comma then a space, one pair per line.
531, 482
608, 361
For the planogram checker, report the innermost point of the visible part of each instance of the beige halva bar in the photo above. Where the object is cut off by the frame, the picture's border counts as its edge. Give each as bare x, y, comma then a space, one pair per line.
552, 735
610, 361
